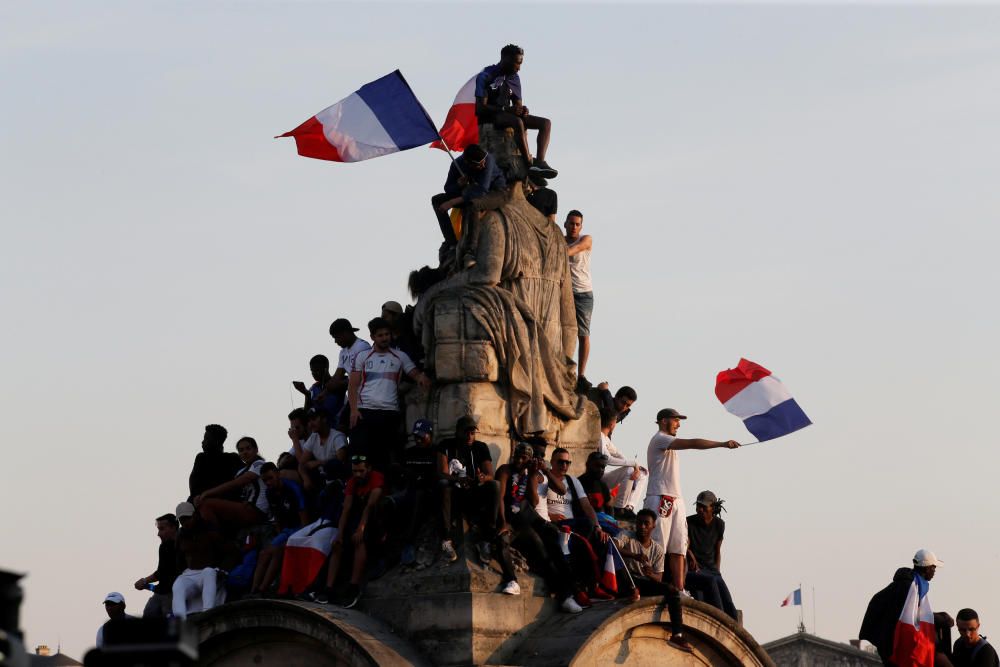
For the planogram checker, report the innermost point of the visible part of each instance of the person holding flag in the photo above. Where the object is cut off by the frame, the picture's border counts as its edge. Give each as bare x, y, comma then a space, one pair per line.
663, 495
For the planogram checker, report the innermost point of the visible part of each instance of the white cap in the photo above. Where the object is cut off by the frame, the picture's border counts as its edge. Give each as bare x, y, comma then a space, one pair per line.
926, 558
117, 598
184, 509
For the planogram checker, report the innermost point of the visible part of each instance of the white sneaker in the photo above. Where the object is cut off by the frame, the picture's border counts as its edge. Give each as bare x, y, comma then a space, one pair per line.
448, 551
570, 606
685, 594
511, 588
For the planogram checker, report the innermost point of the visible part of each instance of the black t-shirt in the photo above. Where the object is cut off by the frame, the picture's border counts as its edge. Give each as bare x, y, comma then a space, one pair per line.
597, 492
211, 469
471, 456
420, 464
168, 566
545, 200
986, 656
702, 539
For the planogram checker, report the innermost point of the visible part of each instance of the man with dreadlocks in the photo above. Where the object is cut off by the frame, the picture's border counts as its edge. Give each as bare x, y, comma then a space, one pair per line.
705, 532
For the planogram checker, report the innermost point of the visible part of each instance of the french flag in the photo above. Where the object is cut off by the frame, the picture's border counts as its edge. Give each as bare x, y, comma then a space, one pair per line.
750, 392
794, 598
380, 118
305, 554
608, 578
913, 641
461, 127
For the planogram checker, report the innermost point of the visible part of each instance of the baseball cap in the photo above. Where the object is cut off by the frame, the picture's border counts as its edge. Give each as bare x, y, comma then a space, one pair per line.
706, 498
465, 423
669, 413
392, 307
423, 427
537, 180
341, 324
117, 598
184, 509
926, 558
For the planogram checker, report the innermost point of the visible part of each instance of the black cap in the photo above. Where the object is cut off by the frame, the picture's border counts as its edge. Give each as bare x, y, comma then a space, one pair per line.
706, 498
464, 424
537, 180
669, 413
341, 325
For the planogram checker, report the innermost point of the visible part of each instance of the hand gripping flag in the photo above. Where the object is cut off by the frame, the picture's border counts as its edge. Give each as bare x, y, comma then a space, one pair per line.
381, 117
794, 598
461, 127
750, 392
913, 641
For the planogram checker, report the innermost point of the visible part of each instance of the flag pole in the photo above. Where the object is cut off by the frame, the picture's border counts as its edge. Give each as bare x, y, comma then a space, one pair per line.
629, 574
815, 632
802, 623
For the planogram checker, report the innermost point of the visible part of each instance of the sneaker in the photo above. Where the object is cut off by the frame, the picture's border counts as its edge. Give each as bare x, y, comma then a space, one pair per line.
679, 642
352, 597
484, 552
511, 588
686, 594
542, 168
570, 606
583, 600
408, 556
320, 597
448, 551
601, 595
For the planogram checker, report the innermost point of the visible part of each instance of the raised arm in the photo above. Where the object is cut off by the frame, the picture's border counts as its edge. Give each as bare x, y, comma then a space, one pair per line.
701, 443
585, 243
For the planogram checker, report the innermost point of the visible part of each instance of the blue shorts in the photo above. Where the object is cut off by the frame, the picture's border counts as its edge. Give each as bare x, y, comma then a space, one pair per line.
584, 302
282, 537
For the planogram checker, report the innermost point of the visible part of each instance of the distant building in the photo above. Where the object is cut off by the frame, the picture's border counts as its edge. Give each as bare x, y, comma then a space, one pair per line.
44, 656
805, 650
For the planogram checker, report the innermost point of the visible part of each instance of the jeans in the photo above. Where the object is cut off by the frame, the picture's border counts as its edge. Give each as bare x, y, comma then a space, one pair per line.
708, 586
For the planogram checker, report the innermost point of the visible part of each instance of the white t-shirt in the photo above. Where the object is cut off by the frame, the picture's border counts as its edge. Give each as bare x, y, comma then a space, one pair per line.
324, 451
551, 502
615, 458
349, 354
380, 373
579, 269
255, 492
664, 467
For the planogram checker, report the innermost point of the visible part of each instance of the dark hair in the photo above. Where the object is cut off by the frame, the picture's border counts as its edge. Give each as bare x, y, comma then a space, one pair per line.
377, 324
298, 414
573, 213
268, 467
423, 279
216, 434
560, 450
172, 520
646, 512
966, 615
607, 417
511, 50
474, 153
319, 360
627, 392
247, 438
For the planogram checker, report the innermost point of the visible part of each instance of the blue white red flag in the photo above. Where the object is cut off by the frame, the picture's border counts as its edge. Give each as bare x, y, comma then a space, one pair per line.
750, 392
913, 641
794, 598
461, 127
381, 117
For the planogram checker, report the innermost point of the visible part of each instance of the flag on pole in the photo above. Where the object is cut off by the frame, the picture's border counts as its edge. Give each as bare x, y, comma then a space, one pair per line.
794, 598
913, 640
461, 127
609, 580
381, 117
750, 392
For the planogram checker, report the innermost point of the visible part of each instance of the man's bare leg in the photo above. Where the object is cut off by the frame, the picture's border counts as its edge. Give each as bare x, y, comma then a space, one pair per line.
678, 569
584, 354
544, 127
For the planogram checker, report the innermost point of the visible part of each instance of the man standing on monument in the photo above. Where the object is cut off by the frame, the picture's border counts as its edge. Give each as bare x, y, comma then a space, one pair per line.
664, 492
498, 101
350, 347
578, 247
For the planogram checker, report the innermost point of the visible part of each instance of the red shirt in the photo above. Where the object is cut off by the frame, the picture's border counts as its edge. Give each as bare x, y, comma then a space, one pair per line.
375, 481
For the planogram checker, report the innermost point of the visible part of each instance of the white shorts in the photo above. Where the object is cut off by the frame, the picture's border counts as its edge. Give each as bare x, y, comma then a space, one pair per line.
670, 532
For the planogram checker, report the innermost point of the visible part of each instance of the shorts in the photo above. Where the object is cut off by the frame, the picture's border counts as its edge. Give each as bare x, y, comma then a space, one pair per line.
584, 302
670, 532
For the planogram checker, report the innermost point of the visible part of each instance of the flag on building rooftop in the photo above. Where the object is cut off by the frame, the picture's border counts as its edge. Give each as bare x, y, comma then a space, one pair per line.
913, 640
461, 127
767, 409
380, 118
794, 598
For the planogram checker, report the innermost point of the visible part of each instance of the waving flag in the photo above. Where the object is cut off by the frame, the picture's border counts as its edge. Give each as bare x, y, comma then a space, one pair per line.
381, 117
461, 127
913, 641
750, 392
794, 598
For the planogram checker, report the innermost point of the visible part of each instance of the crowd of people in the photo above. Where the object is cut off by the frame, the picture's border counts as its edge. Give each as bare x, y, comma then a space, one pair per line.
356, 487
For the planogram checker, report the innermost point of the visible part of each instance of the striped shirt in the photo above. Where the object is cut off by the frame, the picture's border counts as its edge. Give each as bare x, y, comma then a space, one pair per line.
380, 374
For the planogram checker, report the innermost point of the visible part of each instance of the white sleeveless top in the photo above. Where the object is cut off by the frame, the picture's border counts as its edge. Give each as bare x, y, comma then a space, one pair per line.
579, 269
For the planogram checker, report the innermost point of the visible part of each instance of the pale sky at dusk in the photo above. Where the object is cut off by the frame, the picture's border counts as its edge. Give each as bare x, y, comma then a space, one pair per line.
810, 187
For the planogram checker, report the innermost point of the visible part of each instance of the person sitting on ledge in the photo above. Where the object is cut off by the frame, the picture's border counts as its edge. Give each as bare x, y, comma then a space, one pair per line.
475, 183
628, 477
318, 395
419, 500
288, 506
498, 101
197, 587
212, 466
705, 532
252, 508
324, 445
541, 197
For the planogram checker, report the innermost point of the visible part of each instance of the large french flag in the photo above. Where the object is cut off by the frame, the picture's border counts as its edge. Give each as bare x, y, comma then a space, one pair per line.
381, 117
750, 392
305, 554
461, 127
913, 642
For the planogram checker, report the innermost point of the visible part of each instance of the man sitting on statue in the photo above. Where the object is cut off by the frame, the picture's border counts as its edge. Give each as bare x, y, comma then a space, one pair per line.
498, 101
475, 183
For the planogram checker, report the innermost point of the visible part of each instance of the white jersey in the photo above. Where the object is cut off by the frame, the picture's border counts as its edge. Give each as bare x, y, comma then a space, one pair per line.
380, 373
664, 467
550, 502
255, 492
349, 354
579, 269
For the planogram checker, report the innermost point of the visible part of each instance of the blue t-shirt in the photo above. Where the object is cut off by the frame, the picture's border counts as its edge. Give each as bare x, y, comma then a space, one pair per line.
498, 88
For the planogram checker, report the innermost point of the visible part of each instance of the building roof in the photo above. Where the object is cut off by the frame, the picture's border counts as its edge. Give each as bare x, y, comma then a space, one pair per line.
804, 638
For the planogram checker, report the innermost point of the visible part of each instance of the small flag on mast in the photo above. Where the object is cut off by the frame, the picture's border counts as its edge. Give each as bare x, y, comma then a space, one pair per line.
794, 598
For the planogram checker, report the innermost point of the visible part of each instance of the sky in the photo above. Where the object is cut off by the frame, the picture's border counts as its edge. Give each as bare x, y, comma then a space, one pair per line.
812, 187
